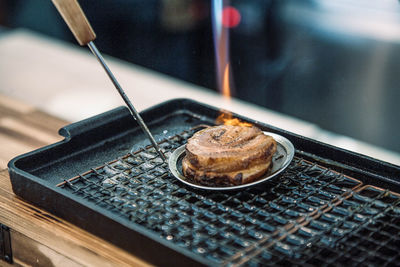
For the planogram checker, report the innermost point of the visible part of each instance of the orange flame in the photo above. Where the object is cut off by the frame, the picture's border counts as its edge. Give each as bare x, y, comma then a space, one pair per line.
226, 118
223, 77
226, 89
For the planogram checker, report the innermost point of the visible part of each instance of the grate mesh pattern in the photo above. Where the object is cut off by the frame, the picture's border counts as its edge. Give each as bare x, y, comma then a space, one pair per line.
362, 228
309, 215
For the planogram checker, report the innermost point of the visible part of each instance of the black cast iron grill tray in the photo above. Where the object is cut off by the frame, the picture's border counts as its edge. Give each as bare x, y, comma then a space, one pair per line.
330, 207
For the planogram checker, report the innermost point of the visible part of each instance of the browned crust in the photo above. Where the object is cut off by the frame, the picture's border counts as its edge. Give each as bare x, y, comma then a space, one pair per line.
225, 178
223, 164
241, 148
228, 155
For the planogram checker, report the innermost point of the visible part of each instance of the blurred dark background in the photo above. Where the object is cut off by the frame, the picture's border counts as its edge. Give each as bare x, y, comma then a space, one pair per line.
333, 63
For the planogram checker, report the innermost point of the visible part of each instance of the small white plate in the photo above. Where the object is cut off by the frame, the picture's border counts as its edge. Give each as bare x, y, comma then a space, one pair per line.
280, 160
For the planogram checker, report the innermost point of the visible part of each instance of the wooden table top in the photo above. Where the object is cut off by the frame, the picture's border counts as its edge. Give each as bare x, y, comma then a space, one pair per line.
39, 238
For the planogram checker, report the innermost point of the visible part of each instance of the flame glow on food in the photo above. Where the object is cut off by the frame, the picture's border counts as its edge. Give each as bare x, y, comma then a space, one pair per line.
227, 119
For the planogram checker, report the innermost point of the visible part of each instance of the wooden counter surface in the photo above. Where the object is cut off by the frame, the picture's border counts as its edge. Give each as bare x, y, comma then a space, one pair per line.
39, 238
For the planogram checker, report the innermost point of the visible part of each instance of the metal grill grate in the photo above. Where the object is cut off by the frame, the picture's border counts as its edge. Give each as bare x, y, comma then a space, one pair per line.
309, 215
362, 228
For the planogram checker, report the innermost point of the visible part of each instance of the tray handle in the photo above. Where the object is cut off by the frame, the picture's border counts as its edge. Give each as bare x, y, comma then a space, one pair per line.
94, 123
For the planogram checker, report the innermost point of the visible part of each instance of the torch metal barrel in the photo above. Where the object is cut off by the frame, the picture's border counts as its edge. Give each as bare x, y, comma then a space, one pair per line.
131, 108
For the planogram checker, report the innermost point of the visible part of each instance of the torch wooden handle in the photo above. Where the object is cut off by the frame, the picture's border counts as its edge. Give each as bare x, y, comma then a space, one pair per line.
76, 20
